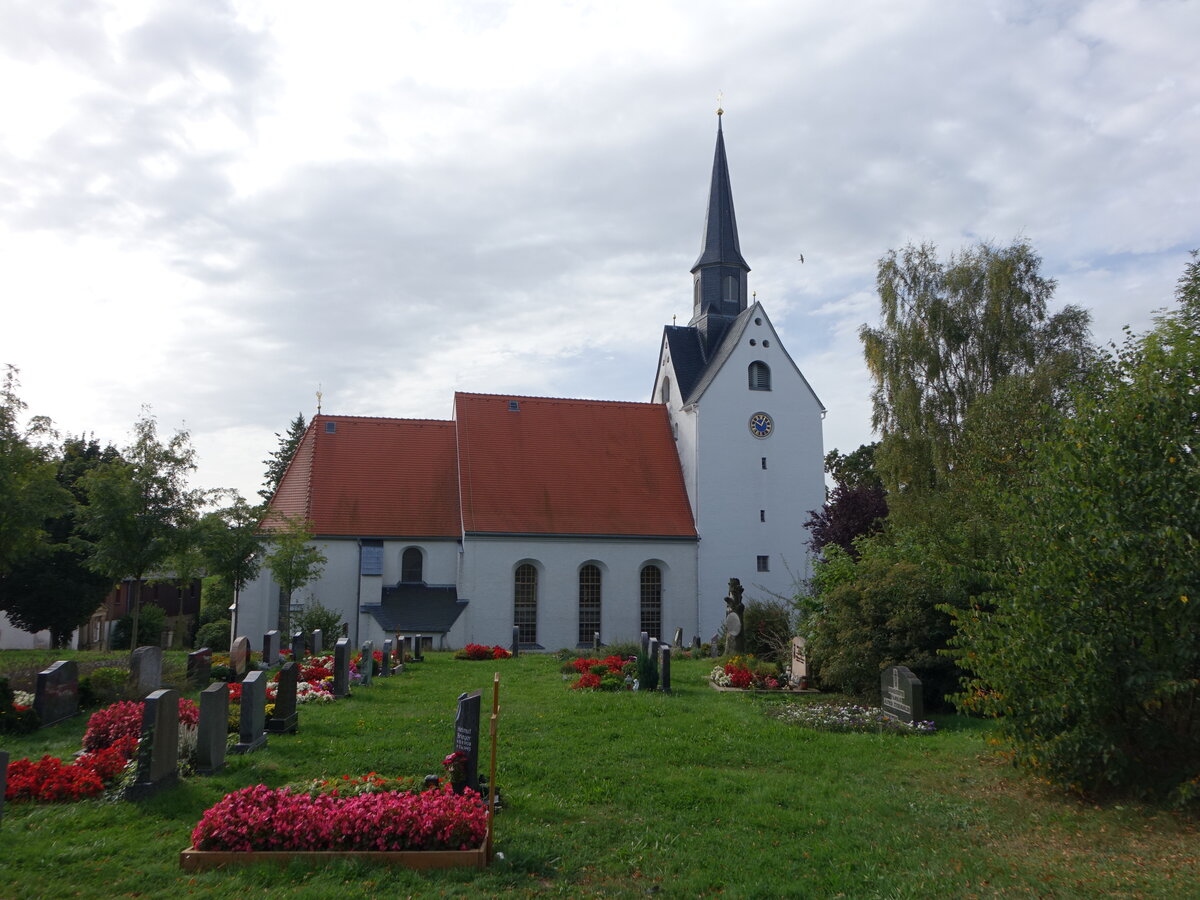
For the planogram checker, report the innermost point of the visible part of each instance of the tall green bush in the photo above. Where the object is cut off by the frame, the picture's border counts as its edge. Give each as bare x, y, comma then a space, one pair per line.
768, 629
1090, 650
314, 616
151, 623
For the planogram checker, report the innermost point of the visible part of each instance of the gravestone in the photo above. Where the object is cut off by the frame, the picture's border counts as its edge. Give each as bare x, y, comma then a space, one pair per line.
239, 657
298, 646
199, 666
902, 696
466, 735
386, 668
696, 645
516, 641
366, 661
798, 670
3, 780
401, 652
252, 725
158, 751
595, 642
145, 670
645, 639
341, 668
318, 642
664, 678
714, 647
678, 640
213, 731
419, 648
271, 648
57, 694
285, 720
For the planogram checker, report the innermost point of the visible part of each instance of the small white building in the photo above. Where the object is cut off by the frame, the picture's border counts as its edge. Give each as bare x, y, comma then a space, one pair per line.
569, 517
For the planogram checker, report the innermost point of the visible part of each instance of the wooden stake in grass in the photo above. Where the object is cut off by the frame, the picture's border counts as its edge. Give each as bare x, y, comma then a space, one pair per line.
491, 811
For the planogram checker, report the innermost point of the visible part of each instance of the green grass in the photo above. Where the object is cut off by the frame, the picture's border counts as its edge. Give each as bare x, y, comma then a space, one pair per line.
697, 793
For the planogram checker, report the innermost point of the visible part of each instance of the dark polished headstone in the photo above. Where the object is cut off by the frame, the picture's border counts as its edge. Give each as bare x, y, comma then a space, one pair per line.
212, 735
57, 694
285, 720
419, 648
645, 641
298, 646
652, 648
199, 666
664, 678
145, 670
902, 694
341, 668
252, 726
386, 668
466, 735
271, 648
696, 645
516, 641
158, 750
318, 642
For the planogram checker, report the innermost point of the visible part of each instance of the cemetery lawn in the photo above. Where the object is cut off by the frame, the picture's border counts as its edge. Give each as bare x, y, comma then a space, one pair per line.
696, 793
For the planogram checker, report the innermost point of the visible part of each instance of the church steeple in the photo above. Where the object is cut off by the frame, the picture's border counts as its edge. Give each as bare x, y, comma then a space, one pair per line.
719, 275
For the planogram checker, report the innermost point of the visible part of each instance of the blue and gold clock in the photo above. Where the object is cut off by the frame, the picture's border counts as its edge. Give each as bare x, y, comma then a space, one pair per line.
761, 425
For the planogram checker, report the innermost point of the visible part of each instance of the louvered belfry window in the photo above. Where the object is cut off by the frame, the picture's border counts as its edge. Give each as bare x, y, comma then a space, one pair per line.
652, 601
589, 603
525, 603
760, 376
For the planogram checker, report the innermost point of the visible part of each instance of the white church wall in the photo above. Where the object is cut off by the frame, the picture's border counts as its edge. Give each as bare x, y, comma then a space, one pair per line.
734, 490
489, 566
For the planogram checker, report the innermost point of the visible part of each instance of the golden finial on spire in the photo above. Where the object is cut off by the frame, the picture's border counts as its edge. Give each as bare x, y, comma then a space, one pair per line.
720, 103
318, 398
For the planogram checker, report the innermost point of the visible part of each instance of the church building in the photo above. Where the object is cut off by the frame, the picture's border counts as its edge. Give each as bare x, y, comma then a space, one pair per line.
565, 517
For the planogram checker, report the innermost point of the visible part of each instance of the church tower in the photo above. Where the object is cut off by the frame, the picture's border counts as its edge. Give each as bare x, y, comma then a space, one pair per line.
746, 422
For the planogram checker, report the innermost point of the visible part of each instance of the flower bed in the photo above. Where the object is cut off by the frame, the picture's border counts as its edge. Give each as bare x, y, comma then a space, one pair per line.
109, 743
613, 673
862, 719
352, 818
481, 651
745, 673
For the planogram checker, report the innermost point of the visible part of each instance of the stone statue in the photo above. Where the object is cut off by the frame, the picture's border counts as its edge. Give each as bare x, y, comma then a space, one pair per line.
735, 610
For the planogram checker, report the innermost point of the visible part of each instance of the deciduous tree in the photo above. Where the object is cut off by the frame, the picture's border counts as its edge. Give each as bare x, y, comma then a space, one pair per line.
294, 561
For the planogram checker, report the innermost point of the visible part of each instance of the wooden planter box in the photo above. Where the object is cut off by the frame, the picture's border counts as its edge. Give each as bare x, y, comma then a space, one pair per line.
197, 860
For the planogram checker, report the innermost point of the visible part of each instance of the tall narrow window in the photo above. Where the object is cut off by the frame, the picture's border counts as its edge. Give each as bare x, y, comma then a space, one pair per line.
589, 603
652, 601
764, 564
759, 376
412, 565
665, 395
730, 290
525, 603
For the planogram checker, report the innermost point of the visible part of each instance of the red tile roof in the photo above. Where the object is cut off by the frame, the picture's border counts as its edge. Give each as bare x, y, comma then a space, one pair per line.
580, 467
556, 466
374, 477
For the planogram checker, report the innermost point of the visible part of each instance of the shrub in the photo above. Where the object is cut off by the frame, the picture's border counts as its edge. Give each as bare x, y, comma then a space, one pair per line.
214, 635
102, 686
768, 629
480, 651
647, 669
151, 621
315, 616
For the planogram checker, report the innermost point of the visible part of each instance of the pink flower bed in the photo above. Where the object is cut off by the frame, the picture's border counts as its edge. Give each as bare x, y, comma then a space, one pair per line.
262, 818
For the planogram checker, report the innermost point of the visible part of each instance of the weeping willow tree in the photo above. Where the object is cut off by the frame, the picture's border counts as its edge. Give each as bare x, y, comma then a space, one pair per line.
950, 333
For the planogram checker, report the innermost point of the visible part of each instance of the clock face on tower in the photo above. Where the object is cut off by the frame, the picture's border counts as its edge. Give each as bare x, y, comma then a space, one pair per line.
761, 425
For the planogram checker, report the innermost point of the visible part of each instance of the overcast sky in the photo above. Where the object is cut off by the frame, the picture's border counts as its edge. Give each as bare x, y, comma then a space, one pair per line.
213, 208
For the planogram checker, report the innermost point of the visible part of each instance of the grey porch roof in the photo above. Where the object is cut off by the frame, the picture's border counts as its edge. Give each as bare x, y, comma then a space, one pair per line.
418, 608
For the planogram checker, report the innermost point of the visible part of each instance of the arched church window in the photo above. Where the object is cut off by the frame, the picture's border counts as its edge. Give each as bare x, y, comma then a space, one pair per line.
525, 589
665, 393
652, 601
412, 565
589, 603
760, 376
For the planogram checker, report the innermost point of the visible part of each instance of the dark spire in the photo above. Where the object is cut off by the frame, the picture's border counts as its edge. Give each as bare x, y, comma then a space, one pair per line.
719, 275
719, 246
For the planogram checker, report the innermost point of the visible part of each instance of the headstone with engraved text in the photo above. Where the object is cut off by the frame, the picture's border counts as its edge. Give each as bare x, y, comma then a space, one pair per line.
239, 657
466, 735
158, 750
56, 696
902, 694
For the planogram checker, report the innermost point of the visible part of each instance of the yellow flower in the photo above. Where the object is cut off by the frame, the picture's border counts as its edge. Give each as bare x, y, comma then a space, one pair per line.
1183, 598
